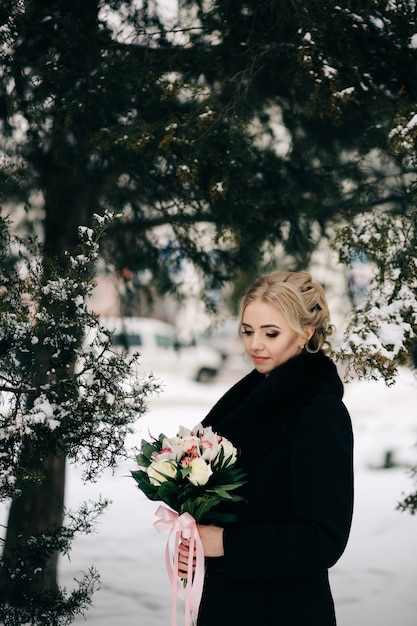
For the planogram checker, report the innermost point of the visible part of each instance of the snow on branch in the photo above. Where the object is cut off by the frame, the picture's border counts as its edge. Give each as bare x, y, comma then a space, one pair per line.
403, 136
382, 328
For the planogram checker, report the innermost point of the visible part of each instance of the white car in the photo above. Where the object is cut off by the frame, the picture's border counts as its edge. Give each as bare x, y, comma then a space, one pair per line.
159, 348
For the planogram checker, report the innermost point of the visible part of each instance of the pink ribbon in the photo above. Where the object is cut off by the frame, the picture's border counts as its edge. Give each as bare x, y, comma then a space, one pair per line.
186, 526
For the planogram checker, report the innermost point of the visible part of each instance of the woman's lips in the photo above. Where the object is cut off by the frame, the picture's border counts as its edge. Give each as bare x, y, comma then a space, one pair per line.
259, 359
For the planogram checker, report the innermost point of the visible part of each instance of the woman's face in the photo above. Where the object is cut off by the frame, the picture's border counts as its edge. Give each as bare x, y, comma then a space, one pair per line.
268, 339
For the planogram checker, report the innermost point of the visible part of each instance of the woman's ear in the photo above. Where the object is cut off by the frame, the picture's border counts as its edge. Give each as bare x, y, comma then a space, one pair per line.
305, 338
309, 331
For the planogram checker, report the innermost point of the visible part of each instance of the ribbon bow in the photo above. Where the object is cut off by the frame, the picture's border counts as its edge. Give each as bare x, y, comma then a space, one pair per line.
186, 526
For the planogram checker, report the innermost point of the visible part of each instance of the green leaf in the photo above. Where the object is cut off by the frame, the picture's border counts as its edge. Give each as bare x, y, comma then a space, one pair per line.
168, 493
147, 450
184, 471
142, 479
199, 506
222, 493
230, 487
142, 460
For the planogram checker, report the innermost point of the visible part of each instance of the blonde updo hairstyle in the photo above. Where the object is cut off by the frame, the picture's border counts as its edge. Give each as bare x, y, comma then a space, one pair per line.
301, 302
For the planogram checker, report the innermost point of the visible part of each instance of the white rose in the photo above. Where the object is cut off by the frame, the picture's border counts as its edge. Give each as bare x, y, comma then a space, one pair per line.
200, 472
159, 471
229, 451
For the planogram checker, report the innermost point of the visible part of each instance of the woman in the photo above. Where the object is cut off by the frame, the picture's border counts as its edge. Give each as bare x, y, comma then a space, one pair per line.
295, 440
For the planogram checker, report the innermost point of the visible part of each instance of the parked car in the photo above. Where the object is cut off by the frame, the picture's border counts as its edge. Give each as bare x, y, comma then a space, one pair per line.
160, 350
225, 338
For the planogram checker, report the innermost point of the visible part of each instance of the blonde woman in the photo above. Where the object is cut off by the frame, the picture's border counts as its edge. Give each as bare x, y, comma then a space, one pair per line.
294, 434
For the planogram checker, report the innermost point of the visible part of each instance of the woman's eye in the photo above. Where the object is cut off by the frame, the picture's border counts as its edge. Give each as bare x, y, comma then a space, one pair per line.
270, 335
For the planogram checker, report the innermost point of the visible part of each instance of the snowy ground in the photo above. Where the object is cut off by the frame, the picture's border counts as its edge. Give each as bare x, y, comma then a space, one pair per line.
373, 584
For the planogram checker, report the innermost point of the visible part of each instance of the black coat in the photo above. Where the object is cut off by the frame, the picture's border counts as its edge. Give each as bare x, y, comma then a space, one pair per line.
295, 440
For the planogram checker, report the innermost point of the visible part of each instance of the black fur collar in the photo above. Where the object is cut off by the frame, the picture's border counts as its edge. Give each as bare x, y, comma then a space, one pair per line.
259, 402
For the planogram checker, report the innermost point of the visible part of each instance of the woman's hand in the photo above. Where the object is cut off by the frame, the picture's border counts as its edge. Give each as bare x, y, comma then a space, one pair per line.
212, 540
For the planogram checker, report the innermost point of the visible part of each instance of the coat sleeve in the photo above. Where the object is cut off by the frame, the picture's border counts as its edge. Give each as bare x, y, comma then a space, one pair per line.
315, 534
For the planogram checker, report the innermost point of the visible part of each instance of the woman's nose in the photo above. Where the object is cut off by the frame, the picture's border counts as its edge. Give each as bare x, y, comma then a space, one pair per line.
256, 342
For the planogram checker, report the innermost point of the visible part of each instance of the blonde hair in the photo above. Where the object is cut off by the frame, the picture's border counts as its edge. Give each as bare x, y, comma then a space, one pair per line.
301, 301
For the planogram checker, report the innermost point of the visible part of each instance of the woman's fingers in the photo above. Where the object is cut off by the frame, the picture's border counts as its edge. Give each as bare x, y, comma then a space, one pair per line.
184, 557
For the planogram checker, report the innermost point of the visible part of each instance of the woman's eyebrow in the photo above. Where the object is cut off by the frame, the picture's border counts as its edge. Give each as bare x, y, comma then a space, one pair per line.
263, 325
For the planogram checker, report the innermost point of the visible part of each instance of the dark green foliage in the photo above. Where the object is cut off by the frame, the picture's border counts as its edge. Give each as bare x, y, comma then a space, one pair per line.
409, 504
50, 608
26, 603
164, 130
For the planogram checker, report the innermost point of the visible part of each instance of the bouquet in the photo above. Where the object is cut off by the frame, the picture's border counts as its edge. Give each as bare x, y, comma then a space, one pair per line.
191, 473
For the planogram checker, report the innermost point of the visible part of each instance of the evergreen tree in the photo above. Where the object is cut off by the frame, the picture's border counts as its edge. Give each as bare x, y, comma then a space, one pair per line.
65, 395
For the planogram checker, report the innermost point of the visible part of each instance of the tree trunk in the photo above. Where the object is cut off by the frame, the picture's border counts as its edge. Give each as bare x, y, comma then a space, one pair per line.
39, 508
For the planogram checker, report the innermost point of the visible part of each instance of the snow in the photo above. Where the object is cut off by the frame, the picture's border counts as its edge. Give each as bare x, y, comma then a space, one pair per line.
344, 92
373, 583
